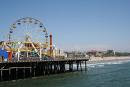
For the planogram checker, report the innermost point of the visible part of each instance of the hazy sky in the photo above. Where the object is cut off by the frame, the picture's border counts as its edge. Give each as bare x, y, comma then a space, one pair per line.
75, 24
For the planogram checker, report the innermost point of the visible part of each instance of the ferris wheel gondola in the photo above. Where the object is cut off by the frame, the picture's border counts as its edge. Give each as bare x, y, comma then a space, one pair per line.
25, 24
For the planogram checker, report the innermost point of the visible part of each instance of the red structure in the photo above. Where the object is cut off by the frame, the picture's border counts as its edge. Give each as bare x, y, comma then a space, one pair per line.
51, 50
10, 56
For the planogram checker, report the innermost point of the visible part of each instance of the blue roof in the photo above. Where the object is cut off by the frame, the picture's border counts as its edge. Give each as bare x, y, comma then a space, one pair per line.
4, 53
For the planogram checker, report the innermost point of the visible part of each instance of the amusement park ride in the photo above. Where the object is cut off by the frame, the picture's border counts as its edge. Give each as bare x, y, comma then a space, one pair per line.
28, 40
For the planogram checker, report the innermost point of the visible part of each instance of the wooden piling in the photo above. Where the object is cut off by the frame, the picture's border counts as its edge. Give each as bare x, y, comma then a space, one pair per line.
21, 70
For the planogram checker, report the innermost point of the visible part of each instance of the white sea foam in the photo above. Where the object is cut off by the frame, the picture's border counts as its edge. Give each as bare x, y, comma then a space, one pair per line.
101, 64
95, 65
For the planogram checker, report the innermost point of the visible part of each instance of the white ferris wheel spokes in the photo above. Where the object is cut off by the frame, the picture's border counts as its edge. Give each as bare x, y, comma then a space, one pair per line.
28, 27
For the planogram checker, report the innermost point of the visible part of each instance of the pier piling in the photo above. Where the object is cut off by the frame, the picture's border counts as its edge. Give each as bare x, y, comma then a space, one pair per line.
22, 70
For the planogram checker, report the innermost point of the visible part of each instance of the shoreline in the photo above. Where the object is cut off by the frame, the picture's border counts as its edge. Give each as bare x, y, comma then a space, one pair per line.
100, 59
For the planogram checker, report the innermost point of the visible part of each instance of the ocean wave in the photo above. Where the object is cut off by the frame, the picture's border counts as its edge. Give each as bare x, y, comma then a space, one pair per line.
95, 65
102, 64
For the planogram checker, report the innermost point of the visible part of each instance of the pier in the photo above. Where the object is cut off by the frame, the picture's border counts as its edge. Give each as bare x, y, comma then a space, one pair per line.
28, 69
33, 54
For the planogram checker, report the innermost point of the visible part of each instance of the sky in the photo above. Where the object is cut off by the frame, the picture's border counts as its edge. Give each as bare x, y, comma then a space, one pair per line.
75, 24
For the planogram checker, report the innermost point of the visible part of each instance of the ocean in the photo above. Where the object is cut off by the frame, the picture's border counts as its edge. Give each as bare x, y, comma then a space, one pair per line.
98, 74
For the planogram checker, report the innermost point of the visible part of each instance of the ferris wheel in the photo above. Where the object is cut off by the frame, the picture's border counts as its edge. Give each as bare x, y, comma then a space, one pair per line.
28, 27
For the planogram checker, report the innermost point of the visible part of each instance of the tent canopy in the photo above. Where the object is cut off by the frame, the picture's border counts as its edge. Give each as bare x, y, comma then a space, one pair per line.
4, 53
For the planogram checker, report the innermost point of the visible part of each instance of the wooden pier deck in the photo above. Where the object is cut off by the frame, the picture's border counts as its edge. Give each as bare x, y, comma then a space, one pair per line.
28, 69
